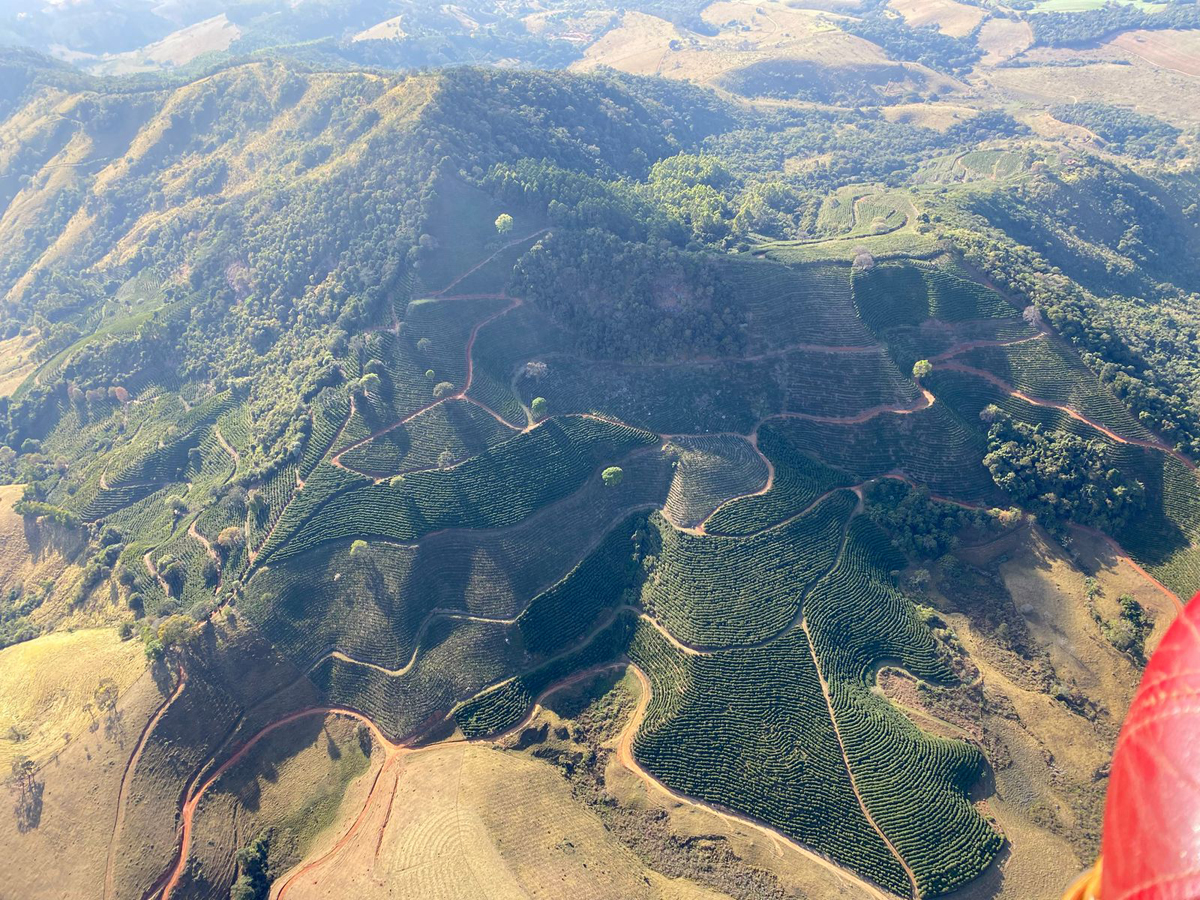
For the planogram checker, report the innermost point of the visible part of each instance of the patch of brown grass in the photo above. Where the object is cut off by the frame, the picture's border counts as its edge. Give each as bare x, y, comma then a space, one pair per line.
950, 17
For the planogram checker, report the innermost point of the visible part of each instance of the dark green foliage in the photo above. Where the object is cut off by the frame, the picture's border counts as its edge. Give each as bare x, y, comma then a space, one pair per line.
35, 510
253, 882
856, 619
503, 706
629, 301
750, 728
501, 486
713, 591
1075, 29
1124, 130
918, 525
925, 44
889, 442
1060, 476
15, 607
566, 612
1129, 630
800, 79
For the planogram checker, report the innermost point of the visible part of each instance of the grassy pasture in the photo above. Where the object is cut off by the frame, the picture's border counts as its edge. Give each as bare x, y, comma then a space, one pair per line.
303, 783
1178, 51
47, 688
949, 17
466, 821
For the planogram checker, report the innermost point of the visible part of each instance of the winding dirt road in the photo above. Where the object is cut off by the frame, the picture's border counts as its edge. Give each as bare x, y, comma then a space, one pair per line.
995, 381
127, 777
461, 394
475, 268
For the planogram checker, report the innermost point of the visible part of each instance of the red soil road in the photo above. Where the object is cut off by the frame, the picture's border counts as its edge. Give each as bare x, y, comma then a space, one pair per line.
461, 394
123, 792
964, 346
1124, 557
226, 446
193, 532
1062, 407
189, 807
927, 400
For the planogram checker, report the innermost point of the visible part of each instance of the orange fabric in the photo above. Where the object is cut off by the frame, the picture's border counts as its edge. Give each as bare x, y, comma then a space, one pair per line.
1151, 845
1087, 885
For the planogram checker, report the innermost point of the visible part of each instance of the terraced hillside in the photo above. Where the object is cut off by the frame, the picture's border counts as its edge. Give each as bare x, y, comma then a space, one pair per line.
388, 408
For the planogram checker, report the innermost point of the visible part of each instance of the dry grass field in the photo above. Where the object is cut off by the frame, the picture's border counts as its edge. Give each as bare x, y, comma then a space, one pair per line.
1002, 39
950, 17
78, 802
302, 784
1140, 85
1177, 51
37, 557
16, 362
177, 49
47, 689
750, 34
388, 30
1046, 755
465, 821
938, 116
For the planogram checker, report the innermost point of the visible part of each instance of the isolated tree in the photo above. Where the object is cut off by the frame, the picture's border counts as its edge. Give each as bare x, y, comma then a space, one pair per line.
536, 369
424, 345
921, 368
105, 695
370, 383
443, 389
173, 629
429, 374
539, 407
612, 476
359, 549
23, 771
231, 538
504, 223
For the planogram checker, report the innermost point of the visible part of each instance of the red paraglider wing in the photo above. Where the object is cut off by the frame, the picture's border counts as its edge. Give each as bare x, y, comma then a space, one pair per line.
1151, 847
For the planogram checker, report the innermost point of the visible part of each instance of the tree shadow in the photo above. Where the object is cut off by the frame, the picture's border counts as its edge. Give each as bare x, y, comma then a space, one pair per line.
28, 805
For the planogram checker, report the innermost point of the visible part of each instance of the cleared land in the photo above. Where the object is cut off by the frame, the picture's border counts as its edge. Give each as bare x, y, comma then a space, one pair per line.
1140, 85
465, 821
1002, 39
1177, 51
48, 689
16, 363
949, 17
86, 775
